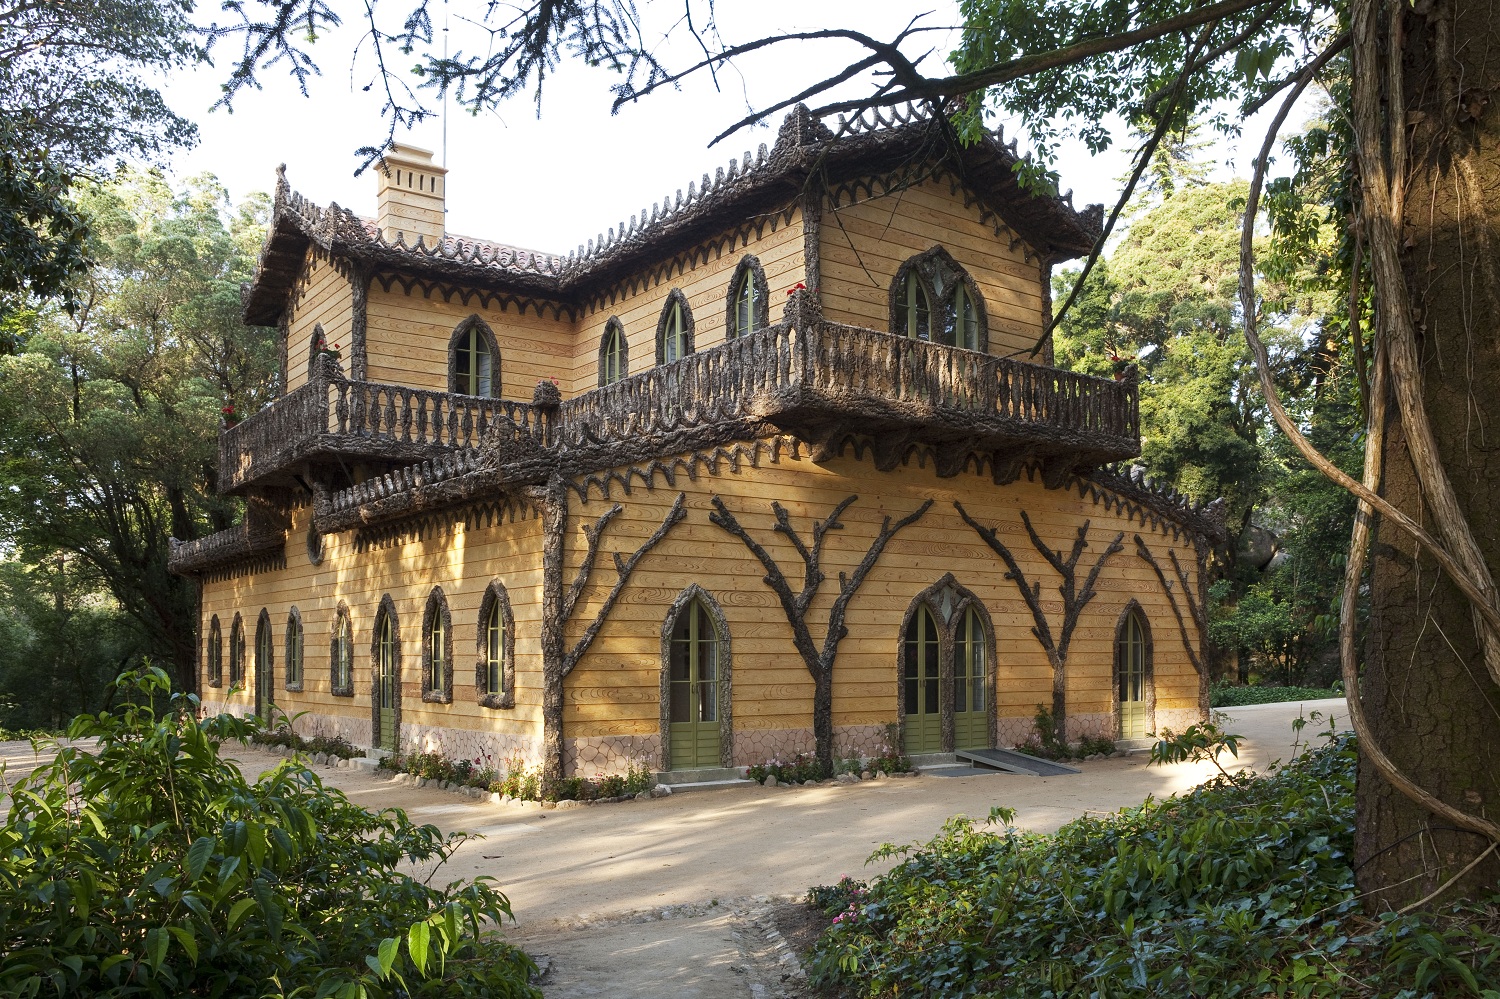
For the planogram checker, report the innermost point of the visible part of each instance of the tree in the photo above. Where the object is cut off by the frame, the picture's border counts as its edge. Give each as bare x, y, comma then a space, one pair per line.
109, 416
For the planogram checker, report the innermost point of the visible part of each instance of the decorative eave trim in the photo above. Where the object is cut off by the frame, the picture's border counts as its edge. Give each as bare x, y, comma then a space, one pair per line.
1128, 489
234, 548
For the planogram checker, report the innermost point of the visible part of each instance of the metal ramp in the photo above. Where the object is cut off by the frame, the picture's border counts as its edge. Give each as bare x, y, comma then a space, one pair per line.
1015, 763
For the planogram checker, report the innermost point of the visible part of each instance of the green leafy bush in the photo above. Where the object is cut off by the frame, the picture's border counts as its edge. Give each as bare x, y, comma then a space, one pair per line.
1241, 887
1223, 695
802, 767
283, 735
151, 867
520, 781
1048, 745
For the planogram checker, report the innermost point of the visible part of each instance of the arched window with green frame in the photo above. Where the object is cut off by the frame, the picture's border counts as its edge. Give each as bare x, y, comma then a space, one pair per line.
341, 653
674, 330
474, 359
934, 299
696, 720
614, 353
293, 669
437, 649
495, 674
215, 664
237, 651
749, 305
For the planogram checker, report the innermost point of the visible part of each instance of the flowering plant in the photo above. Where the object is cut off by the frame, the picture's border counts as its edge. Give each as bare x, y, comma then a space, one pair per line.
1119, 365
230, 416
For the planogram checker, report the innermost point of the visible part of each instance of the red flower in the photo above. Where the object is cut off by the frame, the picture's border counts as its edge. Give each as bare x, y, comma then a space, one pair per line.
227, 410
799, 286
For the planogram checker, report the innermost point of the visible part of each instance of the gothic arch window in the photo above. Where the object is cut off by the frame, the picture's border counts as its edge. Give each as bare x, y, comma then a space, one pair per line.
1135, 681
674, 330
385, 688
935, 299
474, 359
437, 649
317, 345
495, 670
614, 353
237, 651
696, 701
341, 653
215, 653
294, 650
749, 299
265, 666
945, 671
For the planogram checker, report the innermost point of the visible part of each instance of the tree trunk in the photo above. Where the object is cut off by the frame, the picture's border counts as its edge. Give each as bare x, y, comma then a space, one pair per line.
823, 716
554, 519
1432, 704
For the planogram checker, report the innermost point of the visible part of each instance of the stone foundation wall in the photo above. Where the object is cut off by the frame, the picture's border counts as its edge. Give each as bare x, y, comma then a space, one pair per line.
1177, 719
494, 750
1014, 731
1092, 726
610, 754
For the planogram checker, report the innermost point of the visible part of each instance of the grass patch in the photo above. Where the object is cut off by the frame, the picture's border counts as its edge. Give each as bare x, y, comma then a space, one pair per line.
1242, 887
1223, 695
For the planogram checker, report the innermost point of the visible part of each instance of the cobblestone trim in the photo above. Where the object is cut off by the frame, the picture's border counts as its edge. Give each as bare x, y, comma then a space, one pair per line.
609, 754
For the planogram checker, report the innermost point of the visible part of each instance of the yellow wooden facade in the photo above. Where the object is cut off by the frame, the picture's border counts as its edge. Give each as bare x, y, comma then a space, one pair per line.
840, 250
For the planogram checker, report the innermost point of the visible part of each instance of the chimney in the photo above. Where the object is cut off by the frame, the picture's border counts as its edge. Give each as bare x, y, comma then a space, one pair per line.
409, 196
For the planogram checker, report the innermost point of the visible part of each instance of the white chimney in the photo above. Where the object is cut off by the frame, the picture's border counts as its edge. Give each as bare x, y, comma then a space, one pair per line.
409, 196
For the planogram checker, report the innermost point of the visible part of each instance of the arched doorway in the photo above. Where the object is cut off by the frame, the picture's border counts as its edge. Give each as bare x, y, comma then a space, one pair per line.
945, 672
696, 682
385, 691
265, 682
1133, 674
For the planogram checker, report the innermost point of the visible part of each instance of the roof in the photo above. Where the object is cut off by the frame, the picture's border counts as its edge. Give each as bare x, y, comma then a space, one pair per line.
757, 183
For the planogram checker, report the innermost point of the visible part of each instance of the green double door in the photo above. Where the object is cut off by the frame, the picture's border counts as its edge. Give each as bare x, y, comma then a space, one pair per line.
384, 692
922, 686
693, 679
1130, 671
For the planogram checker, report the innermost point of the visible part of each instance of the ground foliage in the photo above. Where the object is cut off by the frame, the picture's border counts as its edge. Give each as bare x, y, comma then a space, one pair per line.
1225, 695
1241, 887
151, 867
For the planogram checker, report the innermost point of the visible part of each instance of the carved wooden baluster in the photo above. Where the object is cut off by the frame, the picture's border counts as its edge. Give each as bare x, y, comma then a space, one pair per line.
466, 427
423, 401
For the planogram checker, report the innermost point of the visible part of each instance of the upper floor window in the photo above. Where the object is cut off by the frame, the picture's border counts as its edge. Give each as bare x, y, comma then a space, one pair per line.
437, 649
748, 299
934, 299
674, 331
613, 353
473, 359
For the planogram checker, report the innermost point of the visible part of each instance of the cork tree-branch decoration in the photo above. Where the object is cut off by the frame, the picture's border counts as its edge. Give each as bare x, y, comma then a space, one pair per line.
1195, 611
1074, 599
558, 604
819, 662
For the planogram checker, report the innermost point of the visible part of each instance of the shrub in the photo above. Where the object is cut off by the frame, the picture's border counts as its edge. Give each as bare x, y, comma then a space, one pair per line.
1241, 887
151, 867
283, 735
802, 768
1050, 746
1224, 695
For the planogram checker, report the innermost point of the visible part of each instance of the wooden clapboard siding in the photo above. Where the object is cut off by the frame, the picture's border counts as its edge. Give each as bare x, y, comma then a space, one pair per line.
407, 340
863, 244
322, 297
706, 287
462, 562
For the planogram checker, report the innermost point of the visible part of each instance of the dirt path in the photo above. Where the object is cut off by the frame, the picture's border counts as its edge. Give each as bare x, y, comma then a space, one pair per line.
677, 896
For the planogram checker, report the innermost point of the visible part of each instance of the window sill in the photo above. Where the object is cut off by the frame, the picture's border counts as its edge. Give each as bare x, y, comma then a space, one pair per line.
505, 700
294, 688
343, 691
437, 696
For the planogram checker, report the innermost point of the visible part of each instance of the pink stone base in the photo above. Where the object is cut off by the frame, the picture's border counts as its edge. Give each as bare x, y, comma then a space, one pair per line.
610, 754
1014, 731
355, 730
1178, 719
498, 751
1092, 726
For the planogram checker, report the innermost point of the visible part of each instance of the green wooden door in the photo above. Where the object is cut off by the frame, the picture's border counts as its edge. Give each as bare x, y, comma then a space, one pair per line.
924, 719
971, 722
385, 687
694, 693
1130, 667
265, 686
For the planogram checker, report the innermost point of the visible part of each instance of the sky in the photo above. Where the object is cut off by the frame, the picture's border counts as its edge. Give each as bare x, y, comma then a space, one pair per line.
555, 180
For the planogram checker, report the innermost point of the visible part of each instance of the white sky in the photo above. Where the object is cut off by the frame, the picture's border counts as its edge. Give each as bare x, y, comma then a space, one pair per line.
554, 182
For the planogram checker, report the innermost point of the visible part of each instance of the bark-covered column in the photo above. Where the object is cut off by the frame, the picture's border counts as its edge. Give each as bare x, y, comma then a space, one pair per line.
1432, 703
553, 503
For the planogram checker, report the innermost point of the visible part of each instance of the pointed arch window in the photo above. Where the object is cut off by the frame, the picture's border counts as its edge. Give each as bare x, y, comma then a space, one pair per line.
613, 353
341, 653
237, 652
674, 330
294, 650
697, 729
473, 359
437, 649
265, 667
748, 299
495, 678
1133, 680
945, 679
215, 653
934, 299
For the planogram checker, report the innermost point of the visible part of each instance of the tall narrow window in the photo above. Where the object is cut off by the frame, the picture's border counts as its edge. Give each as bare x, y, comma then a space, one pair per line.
913, 310
494, 651
612, 353
693, 688
1131, 672
437, 650
965, 319
265, 684
215, 653
747, 299
237, 652
674, 330
473, 359
294, 650
342, 655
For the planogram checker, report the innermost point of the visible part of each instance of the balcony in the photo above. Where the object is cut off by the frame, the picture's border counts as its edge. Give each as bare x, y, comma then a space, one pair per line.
334, 420
822, 382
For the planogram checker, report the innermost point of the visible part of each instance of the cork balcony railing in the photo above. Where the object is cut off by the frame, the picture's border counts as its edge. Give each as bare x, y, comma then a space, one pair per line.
334, 419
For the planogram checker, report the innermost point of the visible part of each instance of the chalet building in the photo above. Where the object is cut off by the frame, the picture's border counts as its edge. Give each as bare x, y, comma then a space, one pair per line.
765, 469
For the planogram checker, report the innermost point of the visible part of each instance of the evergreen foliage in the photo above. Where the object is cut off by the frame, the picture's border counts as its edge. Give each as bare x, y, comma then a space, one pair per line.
151, 867
1241, 887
